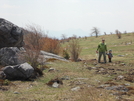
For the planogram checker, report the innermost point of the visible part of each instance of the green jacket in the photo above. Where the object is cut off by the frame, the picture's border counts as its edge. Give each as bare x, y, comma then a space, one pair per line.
102, 47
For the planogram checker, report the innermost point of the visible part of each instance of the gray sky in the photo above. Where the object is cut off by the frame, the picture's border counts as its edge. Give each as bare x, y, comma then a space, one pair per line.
62, 15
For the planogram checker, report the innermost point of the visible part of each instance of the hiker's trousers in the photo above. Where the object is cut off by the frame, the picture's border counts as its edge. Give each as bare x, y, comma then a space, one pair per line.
104, 56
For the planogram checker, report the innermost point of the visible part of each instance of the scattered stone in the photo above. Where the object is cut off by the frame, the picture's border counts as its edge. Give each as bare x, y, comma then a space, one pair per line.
82, 78
120, 77
89, 86
55, 85
118, 88
122, 64
127, 84
16, 92
103, 86
55, 82
65, 78
75, 88
121, 55
51, 70
93, 67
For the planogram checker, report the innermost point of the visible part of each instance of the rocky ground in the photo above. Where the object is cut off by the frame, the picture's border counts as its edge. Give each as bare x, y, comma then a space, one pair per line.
119, 83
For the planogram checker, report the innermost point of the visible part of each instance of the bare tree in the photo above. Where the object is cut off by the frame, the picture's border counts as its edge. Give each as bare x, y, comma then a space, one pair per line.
63, 38
95, 31
118, 33
74, 48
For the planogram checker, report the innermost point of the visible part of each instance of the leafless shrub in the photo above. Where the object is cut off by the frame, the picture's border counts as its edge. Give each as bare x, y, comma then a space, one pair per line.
33, 45
74, 49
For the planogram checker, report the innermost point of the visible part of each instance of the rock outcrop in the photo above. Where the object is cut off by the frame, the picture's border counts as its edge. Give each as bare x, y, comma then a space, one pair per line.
11, 56
10, 34
46, 57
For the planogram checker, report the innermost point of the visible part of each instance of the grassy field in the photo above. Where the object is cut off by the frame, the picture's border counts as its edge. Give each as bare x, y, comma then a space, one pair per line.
85, 80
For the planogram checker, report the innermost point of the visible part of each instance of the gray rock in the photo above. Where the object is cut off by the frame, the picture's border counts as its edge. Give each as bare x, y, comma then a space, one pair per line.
51, 70
55, 85
11, 56
120, 77
121, 55
65, 78
75, 88
2, 75
15, 56
16, 92
10, 34
18, 72
47, 57
118, 87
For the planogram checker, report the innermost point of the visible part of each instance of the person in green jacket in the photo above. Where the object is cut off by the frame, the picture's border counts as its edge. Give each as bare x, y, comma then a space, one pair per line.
102, 49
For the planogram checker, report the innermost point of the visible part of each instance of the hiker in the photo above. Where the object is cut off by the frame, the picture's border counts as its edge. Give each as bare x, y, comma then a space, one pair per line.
102, 49
110, 55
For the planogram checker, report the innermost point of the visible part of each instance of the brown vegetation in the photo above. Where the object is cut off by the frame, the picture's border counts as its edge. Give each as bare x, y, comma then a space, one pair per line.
51, 45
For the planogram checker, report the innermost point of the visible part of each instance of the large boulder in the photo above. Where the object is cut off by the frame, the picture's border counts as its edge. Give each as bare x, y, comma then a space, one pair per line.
11, 56
10, 34
18, 72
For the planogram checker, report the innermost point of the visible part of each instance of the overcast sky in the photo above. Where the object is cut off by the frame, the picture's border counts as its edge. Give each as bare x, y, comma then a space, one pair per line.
60, 15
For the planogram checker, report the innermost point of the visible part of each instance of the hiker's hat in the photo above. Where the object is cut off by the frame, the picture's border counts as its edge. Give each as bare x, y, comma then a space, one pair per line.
110, 50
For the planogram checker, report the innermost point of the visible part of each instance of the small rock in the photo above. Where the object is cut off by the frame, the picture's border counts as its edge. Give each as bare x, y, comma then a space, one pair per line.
51, 70
75, 89
121, 55
65, 78
127, 84
120, 77
93, 67
55, 85
16, 92
82, 78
